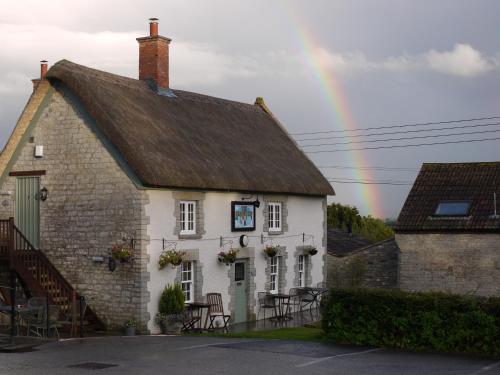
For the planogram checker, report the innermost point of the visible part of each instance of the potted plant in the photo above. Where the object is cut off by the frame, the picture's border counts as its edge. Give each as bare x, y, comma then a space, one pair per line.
172, 257
312, 251
122, 253
130, 327
229, 257
170, 309
271, 251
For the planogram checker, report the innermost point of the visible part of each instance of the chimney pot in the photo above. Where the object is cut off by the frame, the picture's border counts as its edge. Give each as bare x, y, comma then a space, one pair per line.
153, 27
43, 69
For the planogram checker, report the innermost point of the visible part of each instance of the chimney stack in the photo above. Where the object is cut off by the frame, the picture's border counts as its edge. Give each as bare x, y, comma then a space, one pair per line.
43, 72
153, 58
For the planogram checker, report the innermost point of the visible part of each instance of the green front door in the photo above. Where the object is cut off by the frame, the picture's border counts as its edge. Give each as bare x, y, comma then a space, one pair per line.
240, 280
28, 208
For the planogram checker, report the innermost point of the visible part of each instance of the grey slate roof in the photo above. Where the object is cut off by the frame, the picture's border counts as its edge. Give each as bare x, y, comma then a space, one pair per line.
192, 140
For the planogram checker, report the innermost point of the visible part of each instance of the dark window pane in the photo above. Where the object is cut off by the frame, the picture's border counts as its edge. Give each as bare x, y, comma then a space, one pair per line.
239, 271
453, 209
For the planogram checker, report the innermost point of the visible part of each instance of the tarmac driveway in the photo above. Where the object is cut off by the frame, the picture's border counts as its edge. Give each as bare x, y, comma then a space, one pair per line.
208, 355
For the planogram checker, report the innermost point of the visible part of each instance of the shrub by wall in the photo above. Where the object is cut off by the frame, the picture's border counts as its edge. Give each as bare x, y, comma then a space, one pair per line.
417, 321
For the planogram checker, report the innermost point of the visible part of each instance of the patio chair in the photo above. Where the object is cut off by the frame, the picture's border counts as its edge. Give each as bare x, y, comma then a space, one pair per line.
216, 310
71, 320
306, 299
188, 320
294, 301
265, 302
40, 323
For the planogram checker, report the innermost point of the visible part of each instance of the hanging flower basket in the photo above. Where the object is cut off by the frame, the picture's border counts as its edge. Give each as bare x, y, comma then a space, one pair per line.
271, 251
172, 257
312, 251
122, 253
229, 257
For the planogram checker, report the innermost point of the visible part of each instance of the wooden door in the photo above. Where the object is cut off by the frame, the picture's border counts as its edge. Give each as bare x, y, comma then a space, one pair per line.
28, 208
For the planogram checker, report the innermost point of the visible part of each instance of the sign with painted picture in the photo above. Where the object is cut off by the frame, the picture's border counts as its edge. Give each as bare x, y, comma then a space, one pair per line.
242, 216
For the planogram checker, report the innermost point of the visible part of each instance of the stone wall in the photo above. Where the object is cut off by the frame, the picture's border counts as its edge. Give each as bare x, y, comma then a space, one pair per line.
91, 205
450, 263
374, 266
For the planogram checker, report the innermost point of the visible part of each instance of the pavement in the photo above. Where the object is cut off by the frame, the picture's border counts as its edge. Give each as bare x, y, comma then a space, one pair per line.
212, 355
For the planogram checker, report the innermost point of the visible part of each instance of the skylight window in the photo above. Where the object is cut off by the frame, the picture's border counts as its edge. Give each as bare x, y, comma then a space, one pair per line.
455, 208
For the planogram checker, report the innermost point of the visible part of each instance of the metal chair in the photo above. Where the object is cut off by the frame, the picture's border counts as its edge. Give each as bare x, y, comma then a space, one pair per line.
265, 302
216, 310
294, 302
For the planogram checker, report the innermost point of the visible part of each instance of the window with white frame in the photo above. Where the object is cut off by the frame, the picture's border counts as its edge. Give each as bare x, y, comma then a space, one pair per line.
302, 270
274, 218
188, 217
187, 283
274, 275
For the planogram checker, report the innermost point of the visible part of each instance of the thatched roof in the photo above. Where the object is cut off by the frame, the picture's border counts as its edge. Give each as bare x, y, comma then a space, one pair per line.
192, 140
450, 182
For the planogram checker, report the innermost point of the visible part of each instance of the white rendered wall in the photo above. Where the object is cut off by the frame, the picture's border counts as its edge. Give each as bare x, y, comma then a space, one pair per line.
305, 215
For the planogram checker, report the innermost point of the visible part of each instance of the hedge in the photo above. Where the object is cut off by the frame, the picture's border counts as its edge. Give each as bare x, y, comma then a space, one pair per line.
416, 321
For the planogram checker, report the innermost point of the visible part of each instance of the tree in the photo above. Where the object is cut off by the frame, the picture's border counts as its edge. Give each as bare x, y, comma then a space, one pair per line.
348, 218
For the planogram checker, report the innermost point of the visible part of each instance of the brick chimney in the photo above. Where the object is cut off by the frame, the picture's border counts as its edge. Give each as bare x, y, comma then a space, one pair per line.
43, 72
153, 58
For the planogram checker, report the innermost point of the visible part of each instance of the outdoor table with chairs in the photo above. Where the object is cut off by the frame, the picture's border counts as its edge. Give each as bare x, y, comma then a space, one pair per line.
297, 299
214, 310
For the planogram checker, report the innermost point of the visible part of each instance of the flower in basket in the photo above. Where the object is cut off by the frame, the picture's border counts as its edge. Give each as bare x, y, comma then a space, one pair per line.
229, 257
271, 250
172, 257
312, 251
123, 253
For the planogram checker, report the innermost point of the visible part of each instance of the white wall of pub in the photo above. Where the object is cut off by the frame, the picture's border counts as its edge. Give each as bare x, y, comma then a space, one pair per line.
305, 215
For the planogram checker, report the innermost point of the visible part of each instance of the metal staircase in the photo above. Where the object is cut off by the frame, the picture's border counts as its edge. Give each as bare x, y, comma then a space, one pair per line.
35, 271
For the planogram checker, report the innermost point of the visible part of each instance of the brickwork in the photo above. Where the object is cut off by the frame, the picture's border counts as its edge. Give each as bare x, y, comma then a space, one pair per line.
153, 60
91, 205
374, 266
451, 263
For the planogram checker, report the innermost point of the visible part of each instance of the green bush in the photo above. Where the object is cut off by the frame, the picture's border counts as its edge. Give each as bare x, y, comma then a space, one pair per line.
417, 321
171, 300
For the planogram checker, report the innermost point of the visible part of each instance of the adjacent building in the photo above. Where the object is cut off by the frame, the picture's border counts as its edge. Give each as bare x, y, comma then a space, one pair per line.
448, 231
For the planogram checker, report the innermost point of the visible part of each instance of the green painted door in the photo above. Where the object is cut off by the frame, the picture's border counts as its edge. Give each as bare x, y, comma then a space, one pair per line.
28, 208
240, 280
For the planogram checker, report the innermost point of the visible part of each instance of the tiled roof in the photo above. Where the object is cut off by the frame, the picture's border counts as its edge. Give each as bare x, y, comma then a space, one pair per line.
438, 182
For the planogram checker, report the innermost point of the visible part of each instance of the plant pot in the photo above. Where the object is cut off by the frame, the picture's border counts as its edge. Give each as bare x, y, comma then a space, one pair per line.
272, 254
171, 327
313, 251
130, 331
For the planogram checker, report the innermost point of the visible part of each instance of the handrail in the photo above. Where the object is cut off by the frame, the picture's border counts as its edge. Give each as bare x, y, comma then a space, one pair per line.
36, 268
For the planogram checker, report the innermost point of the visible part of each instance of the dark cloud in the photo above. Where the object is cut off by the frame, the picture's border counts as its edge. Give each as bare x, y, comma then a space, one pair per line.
396, 61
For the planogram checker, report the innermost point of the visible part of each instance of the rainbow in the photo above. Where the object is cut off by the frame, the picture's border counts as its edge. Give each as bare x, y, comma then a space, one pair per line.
340, 111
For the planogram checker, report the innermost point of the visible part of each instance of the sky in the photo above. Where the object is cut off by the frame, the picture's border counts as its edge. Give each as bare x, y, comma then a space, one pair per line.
321, 66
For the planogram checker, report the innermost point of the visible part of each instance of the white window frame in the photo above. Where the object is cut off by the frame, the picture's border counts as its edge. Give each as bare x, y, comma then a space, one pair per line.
302, 270
187, 281
275, 216
274, 274
187, 217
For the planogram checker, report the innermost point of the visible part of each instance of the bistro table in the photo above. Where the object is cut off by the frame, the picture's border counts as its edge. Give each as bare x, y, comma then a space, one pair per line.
280, 306
196, 309
314, 292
